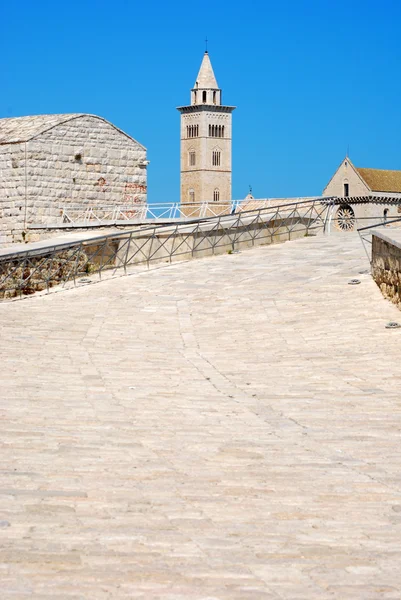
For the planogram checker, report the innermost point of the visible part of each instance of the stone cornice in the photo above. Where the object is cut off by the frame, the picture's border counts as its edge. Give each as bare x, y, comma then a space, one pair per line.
205, 108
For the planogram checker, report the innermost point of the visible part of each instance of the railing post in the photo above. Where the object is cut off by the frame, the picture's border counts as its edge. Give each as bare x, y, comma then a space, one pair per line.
126, 254
329, 218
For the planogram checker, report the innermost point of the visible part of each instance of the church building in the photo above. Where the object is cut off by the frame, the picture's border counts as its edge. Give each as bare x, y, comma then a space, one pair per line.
349, 180
206, 141
374, 195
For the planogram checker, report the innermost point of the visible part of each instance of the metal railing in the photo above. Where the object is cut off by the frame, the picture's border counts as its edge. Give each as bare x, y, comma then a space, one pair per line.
365, 233
85, 215
35, 269
143, 212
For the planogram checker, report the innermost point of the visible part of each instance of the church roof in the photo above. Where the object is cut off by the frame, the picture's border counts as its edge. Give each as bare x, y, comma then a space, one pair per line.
16, 130
380, 180
206, 78
22, 129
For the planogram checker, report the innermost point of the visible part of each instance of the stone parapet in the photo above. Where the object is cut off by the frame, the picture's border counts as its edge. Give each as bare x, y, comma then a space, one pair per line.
386, 263
42, 265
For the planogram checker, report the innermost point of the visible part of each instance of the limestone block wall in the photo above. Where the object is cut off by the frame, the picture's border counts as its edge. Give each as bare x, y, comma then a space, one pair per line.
84, 161
373, 213
203, 177
187, 243
204, 183
12, 191
346, 174
386, 268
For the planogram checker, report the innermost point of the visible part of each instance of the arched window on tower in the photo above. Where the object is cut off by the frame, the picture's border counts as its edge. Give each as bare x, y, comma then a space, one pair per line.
204, 97
191, 195
216, 156
222, 131
216, 195
214, 97
192, 158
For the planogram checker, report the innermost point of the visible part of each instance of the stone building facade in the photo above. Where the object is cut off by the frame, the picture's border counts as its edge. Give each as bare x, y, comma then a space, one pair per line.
52, 161
353, 182
206, 135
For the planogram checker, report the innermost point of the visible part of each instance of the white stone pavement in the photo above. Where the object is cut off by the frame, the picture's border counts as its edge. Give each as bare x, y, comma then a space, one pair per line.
221, 429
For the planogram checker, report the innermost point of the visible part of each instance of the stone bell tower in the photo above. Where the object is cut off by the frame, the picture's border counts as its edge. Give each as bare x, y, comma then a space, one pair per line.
206, 141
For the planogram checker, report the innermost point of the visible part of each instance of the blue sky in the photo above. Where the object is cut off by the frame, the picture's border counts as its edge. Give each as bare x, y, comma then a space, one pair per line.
309, 79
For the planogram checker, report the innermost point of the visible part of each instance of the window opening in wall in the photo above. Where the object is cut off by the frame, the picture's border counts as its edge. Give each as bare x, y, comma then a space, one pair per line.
195, 93
216, 131
345, 218
216, 158
204, 96
216, 195
214, 97
191, 194
192, 158
346, 190
192, 131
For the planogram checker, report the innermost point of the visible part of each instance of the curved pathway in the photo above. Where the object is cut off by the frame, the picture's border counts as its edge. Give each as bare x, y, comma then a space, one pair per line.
226, 428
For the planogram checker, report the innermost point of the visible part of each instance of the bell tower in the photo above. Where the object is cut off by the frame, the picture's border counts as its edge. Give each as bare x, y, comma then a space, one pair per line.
206, 141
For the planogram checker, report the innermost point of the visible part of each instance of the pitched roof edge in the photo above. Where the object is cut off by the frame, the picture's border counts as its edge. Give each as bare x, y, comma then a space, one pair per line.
79, 116
359, 175
332, 177
346, 158
68, 118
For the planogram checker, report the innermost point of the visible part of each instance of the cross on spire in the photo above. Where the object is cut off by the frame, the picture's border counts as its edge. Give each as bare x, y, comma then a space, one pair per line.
206, 41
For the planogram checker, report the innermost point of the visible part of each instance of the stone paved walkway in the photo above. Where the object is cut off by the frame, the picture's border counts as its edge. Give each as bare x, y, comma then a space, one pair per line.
222, 429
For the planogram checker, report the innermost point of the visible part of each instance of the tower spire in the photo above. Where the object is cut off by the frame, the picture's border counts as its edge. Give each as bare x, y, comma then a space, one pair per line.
206, 79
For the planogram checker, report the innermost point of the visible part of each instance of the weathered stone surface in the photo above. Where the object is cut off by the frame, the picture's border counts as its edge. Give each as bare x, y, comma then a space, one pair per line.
226, 428
386, 264
82, 161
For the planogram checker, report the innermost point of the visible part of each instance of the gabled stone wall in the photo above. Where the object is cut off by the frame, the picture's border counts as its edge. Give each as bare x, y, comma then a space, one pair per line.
84, 161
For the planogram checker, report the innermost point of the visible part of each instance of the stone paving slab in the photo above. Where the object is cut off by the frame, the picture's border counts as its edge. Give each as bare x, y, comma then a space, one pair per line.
224, 428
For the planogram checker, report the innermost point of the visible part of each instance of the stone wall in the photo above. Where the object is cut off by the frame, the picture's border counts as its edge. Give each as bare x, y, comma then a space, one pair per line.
48, 268
365, 214
12, 192
202, 177
346, 174
386, 266
85, 161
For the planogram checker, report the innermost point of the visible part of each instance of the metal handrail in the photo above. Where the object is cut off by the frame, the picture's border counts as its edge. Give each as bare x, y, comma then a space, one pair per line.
83, 214
367, 229
161, 226
381, 224
29, 270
